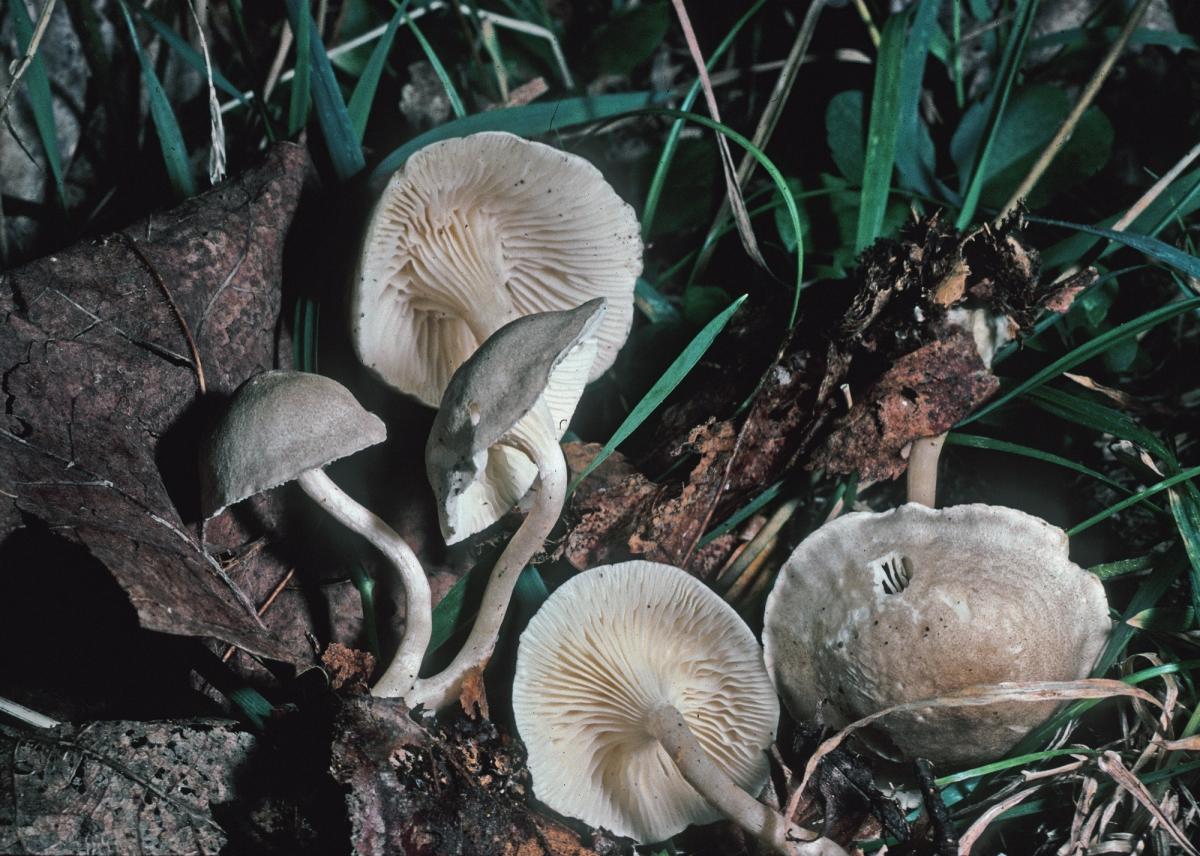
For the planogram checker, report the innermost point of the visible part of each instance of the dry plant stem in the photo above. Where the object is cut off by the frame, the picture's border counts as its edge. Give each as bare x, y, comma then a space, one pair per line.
418, 610
18, 71
923, 469
1068, 126
666, 725
27, 715
1156, 190
767, 122
550, 491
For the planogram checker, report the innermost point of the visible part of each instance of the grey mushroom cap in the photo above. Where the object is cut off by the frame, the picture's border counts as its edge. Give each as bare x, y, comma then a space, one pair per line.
278, 425
875, 610
498, 386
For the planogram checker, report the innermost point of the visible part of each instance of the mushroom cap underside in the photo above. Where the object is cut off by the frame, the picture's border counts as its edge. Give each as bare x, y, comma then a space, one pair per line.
613, 644
476, 231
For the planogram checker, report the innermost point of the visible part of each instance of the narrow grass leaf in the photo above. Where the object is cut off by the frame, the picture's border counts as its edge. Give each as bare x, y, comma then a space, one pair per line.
997, 100
1099, 417
742, 513
527, 120
170, 138
1141, 495
439, 69
301, 93
37, 86
1089, 349
345, 151
1152, 247
972, 441
882, 132
1185, 506
1122, 567
654, 193
1008, 764
909, 161
663, 387
188, 54
364, 91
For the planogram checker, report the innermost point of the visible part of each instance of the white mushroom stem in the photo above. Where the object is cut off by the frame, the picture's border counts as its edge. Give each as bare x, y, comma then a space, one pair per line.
666, 724
923, 469
535, 436
418, 611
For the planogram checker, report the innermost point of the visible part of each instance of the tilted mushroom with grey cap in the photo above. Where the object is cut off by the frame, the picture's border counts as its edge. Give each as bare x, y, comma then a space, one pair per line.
644, 706
513, 397
876, 610
285, 426
474, 232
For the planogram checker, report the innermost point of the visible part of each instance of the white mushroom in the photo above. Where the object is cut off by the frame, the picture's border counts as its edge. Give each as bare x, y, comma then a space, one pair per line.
282, 426
511, 400
876, 610
475, 232
645, 708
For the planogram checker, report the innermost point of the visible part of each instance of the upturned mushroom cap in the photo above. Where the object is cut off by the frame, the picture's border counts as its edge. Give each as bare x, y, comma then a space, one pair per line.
612, 645
874, 610
474, 232
278, 425
476, 477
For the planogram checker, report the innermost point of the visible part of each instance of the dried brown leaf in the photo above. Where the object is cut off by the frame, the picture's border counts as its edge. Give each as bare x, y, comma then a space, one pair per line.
100, 389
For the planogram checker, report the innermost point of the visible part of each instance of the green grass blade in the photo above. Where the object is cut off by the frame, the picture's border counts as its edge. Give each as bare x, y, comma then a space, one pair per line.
170, 138
527, 120
1008, 764
742, 513
1006, 76
1099, 417
912, 73
1086, 351
671, 144
1140, 496
882, 133
345, 152
1155, 249
364, 91
651, 302
972, 441
439, 69
189, 55
1185, 506
663, 387
770, 169
301, 94
37, 86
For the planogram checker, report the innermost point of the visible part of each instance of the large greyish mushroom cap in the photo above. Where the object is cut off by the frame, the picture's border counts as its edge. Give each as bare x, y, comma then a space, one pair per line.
612, 645
538, 358
476, 231
278, 425
873, 610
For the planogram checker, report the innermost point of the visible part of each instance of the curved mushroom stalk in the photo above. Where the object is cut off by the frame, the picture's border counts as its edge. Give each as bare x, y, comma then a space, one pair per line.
667, 726
536, 437
418, 613
256, 446
645, 708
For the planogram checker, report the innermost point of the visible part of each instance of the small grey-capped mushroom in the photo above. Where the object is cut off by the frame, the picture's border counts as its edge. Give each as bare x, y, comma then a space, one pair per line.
876, 610
645, 708
474, 232
286, 426
511, 399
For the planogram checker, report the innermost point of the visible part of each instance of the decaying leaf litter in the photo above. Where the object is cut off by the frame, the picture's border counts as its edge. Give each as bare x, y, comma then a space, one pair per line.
1056, 356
